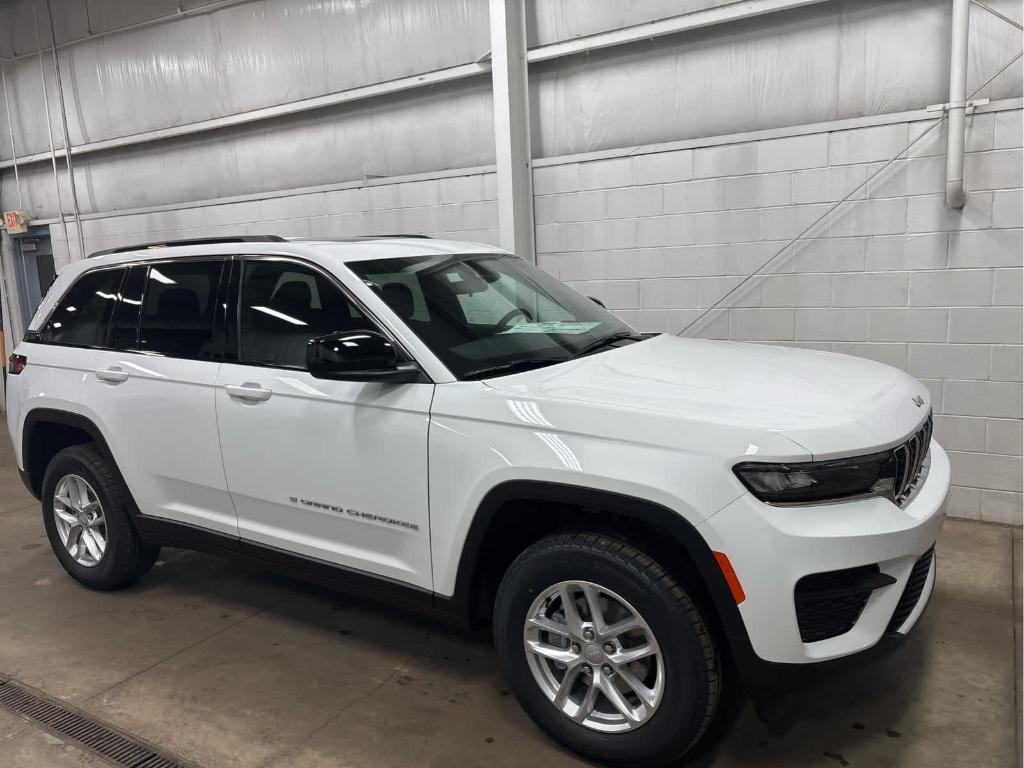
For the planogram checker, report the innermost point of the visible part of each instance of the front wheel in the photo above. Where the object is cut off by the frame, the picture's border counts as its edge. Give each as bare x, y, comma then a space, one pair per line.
605, 651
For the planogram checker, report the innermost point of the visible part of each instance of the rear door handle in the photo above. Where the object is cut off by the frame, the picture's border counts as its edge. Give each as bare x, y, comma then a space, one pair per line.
248, 392
113, 375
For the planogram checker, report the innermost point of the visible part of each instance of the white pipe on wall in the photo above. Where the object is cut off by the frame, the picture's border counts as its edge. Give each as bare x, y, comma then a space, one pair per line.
49, 128
67, 135
955, 195
10, 130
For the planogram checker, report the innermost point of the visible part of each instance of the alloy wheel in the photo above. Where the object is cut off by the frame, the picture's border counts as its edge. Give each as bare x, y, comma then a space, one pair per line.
80, 522
594, 657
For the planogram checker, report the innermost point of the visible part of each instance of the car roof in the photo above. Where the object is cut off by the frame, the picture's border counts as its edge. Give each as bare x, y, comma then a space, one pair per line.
329, 252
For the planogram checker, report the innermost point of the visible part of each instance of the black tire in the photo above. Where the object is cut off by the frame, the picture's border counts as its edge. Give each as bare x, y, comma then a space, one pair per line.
126, 557
691, 662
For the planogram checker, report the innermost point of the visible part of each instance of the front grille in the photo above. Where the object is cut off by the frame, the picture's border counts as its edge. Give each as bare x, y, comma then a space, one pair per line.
912, 592
910, 463
829, 604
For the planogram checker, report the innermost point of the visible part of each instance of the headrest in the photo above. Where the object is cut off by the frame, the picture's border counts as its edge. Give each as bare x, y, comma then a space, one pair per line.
399, 297
178, 302
294, 294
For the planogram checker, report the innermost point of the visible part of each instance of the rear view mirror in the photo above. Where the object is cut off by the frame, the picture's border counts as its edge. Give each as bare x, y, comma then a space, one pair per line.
357, 356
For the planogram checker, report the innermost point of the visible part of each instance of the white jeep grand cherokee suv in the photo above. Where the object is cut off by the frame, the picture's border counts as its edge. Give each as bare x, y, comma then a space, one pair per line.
445, 425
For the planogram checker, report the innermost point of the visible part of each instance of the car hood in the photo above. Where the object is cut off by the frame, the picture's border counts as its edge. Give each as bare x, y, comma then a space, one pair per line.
828, 403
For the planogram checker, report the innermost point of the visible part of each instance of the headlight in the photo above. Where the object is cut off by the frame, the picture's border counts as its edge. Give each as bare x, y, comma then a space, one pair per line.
812, 481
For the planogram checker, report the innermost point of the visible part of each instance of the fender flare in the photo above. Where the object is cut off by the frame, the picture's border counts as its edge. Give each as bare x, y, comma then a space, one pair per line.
38, 416
659, 519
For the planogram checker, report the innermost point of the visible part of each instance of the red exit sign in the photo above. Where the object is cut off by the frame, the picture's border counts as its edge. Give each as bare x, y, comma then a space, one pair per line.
15, 222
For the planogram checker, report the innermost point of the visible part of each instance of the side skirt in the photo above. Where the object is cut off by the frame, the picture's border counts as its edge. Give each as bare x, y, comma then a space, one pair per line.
168, 533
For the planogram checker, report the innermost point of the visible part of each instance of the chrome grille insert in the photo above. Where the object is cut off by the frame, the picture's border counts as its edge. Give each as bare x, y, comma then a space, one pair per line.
911, 464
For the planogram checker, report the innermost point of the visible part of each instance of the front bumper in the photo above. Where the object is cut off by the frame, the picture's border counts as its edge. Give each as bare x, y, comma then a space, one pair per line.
771, 548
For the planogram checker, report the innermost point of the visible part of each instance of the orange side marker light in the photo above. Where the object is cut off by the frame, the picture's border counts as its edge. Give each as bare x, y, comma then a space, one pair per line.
730, 577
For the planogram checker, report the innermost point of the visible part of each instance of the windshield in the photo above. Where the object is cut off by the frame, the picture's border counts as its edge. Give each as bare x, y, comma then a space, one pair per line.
489, 314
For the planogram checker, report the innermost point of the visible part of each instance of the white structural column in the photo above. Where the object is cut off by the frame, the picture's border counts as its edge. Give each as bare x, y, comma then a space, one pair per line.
512, 127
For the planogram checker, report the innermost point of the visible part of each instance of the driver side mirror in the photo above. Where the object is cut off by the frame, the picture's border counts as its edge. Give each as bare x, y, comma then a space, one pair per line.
357, 356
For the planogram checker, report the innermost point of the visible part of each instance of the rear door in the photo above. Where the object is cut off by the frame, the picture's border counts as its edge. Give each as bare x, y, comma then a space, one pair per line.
152, 389
331, 470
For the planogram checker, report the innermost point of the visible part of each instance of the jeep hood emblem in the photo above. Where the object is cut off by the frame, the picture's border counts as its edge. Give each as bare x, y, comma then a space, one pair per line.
917, 400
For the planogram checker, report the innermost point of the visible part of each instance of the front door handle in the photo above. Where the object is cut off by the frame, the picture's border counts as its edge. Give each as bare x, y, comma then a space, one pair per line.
113, 375
248, 391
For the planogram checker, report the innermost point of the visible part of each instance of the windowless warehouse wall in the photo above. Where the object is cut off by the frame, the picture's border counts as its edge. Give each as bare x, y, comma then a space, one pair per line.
669, 162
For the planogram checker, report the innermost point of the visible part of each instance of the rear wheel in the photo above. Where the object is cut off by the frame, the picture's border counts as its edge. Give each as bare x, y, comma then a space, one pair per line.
86, 516
605, 651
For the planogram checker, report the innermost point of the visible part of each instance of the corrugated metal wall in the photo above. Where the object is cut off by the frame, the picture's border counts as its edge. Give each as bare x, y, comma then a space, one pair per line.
825, 62
839, 59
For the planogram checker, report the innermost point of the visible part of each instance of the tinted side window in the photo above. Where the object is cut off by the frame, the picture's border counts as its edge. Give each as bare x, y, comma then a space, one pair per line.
282, 306
178, 309
82, 316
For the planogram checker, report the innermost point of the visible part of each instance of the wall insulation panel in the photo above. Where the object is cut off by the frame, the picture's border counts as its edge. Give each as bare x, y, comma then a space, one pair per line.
831, 61
240, 58
408, 133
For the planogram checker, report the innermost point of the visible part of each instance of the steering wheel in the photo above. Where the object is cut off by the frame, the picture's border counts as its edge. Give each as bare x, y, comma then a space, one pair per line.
506, 321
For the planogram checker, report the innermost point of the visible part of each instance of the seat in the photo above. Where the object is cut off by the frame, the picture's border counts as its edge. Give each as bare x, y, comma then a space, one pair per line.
293, 298
178, 303
177, 328
280, 336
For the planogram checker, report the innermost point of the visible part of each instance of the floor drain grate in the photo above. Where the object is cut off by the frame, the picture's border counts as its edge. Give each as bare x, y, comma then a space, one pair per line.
84, 731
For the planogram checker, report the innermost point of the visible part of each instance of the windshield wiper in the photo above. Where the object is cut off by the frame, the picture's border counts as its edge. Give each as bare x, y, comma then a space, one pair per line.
514, 366
607, 341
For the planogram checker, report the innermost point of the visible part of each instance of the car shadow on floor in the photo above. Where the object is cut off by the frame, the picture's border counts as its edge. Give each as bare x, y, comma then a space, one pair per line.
269, 590
830, 718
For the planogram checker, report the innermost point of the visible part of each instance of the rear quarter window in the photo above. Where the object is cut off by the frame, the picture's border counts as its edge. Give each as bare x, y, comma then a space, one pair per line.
82, 317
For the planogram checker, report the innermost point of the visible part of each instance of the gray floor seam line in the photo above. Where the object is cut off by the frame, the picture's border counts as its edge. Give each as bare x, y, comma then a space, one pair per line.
305, 739
19, 509
26, 726
178, 653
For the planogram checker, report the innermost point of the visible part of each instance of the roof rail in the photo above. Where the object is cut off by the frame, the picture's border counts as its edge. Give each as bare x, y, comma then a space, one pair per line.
357, 238
192, 241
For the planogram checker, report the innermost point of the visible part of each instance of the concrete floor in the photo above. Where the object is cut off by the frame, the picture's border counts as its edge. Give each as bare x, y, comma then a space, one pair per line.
235, 668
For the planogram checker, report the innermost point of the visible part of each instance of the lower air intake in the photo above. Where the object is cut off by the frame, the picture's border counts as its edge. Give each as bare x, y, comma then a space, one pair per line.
912, 592
829, 604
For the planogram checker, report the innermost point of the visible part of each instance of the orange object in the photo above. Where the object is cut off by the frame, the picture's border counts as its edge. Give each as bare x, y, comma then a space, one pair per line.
730, 577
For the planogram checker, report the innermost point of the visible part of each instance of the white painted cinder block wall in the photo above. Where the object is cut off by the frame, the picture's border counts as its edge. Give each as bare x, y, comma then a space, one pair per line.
892, 274
660, 233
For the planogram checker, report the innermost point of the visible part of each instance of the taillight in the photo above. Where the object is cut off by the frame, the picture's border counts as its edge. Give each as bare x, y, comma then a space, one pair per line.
16, 364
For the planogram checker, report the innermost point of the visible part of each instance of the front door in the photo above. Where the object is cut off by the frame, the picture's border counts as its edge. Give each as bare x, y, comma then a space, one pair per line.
332, 470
